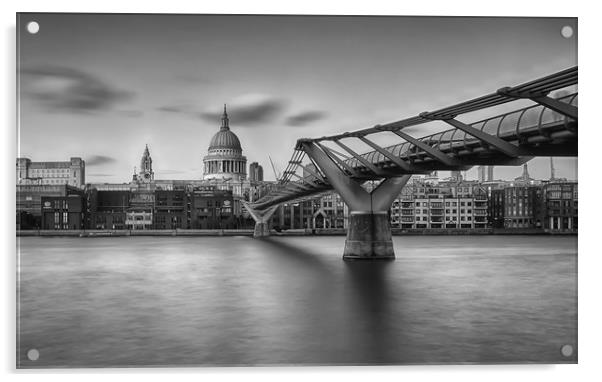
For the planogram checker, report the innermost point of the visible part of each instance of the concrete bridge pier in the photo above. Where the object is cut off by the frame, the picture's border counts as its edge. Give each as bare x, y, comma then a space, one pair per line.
369, 232
262, 220
369, 237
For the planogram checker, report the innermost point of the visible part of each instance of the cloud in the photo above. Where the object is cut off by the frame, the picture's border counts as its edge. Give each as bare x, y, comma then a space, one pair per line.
96, 160
171, 109
305, 118
63, 89
248, 110
183, 109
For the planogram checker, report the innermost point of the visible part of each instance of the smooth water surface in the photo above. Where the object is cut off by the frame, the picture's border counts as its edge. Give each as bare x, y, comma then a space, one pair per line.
185, 301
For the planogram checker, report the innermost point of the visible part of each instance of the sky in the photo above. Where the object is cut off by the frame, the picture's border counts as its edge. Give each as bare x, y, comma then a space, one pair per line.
102, 86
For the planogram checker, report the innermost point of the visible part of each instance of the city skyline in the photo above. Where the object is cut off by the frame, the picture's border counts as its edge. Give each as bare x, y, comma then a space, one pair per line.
103, 94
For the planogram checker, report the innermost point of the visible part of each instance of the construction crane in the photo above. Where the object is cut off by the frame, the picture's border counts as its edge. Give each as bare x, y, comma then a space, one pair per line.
276, 174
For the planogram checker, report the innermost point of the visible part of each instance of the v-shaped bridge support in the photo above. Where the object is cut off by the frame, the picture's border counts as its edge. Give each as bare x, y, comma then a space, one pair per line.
262, 219
369, 232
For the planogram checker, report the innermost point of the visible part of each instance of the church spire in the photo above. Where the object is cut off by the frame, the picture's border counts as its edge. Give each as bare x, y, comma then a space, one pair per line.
225, 120
146, 165
525, 172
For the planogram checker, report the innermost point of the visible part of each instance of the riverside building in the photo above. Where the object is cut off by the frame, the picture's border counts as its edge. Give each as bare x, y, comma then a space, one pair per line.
71, 172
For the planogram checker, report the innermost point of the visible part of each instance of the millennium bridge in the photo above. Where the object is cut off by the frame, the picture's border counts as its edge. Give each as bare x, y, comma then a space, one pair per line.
547, 127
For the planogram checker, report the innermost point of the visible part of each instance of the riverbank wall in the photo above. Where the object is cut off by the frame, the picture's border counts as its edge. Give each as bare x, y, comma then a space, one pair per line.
292, 232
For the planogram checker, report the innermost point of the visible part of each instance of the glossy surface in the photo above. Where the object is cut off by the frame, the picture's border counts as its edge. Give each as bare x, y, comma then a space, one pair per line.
185, 301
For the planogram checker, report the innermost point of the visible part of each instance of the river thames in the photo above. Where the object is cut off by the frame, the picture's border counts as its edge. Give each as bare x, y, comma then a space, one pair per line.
188, 301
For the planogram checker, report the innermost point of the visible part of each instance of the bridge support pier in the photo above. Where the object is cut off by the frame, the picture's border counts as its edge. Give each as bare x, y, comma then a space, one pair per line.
369, 237
262, 220
262, 229
369, 231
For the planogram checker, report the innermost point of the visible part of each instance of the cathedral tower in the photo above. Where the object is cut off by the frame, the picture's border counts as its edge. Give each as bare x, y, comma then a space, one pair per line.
146, 174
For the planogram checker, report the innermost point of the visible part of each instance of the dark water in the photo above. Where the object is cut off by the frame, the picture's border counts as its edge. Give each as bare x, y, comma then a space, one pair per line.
135, 301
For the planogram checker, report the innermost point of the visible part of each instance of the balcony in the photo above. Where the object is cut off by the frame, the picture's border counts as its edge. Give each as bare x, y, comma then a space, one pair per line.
437, 211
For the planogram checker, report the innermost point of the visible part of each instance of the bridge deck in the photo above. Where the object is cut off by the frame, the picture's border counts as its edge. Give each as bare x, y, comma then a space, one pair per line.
548, 128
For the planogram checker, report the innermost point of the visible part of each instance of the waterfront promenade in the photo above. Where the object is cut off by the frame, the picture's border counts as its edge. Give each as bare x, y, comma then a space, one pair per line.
290, 232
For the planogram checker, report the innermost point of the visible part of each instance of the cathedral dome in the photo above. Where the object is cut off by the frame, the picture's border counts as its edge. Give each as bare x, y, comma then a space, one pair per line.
224, 159
225, 139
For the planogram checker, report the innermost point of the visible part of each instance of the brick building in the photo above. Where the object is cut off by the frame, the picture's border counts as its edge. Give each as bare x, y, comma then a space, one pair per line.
560, 206
64, 212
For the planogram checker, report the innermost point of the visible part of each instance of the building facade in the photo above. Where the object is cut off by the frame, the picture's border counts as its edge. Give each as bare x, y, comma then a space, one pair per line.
210, 208
496, 208
64, 212
437, 205
560, 205
107, 209
29, 202
71, 172
522, 206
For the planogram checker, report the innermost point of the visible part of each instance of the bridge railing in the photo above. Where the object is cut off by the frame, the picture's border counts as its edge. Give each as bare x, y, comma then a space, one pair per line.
508, 126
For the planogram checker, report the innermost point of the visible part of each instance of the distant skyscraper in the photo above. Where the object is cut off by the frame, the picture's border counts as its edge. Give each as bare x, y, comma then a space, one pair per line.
552, 172
255, 172
485, 173
481, 173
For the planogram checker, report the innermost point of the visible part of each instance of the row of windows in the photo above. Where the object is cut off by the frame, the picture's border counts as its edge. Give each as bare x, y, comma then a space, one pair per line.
447, 211
440, 204
425, 218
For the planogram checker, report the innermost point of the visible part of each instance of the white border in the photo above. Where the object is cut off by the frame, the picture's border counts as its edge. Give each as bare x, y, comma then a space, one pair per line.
589, 253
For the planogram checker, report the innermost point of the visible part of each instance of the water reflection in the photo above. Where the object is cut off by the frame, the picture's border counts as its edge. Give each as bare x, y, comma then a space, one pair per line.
292, 300
368, 300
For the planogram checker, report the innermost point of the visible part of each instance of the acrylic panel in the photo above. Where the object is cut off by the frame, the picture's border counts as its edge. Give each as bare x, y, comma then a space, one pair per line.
228, 190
